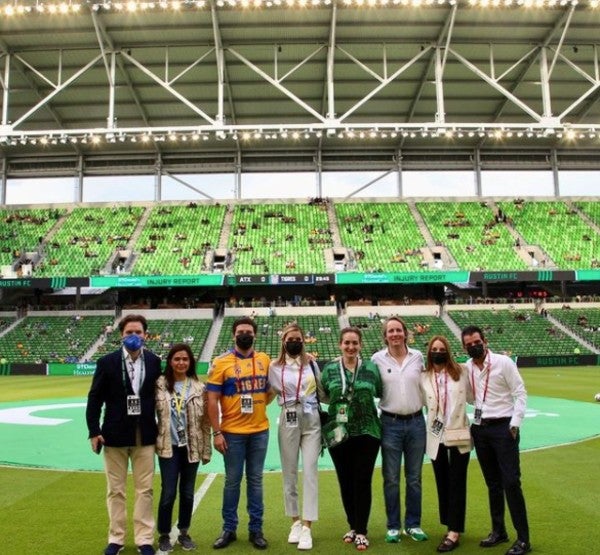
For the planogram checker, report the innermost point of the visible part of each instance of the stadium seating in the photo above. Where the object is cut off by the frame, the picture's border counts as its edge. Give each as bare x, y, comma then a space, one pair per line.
21, 230
519, 332
585, 323
321, 335
470, 232
383, 236
176, 238
567, 239
52, 339
590, 209
162, 334
420, 328
279, 238
87, 239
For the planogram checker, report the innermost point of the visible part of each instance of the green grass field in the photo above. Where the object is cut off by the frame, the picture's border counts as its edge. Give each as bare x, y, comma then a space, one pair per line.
63, 513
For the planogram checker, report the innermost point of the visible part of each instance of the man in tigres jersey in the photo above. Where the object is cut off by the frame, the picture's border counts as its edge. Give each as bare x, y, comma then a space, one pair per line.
238, 386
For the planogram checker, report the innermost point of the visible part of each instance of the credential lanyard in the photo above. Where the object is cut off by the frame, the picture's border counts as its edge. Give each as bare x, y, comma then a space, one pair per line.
343, 378
488, 368
180, 399
124, 372
437, 392
297, 386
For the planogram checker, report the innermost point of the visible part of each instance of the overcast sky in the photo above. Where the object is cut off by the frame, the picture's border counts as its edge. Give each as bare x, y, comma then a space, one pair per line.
302, 185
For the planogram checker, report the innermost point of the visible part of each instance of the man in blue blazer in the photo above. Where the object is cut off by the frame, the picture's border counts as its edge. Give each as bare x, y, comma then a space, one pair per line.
123, 384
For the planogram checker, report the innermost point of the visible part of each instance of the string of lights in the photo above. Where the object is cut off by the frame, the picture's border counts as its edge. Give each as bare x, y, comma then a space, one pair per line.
349, 134
24, 7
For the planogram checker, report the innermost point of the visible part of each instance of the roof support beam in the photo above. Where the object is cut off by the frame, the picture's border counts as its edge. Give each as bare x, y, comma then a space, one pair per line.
440, 65
423, 80
186, 184
102, 35
330, 64
220, 59
493, 83
277, 85
58, 89
372, 182
17, 65
168, 88
384, 83
545, 83
546, 42
5, 89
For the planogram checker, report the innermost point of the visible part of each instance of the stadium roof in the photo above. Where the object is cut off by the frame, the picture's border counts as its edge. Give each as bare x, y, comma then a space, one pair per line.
282, 78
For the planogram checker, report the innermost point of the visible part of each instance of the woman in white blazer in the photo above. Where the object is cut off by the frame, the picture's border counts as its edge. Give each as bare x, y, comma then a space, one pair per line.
446, 392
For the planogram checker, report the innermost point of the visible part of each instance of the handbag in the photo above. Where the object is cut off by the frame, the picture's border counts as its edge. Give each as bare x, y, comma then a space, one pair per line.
333, 434
457, 437
323, 417
323, 414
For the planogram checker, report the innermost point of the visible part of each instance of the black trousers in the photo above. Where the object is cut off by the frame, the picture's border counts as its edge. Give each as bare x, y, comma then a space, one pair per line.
450, 470
498, 454
354, 461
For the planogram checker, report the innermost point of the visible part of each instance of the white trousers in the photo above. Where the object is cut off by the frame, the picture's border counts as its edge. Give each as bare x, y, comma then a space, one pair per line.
305, 439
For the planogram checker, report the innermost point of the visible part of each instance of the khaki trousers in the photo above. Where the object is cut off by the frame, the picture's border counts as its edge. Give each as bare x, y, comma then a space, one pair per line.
116, 460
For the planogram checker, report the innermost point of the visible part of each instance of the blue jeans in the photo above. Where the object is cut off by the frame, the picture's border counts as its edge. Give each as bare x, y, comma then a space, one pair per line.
402, 437
177, 468
250, 449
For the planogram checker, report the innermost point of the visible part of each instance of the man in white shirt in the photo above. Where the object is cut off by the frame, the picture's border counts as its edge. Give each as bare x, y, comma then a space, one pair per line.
500, 401
403, 429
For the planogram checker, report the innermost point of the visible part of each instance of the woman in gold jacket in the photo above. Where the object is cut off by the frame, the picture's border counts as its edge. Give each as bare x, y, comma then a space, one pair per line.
183, 441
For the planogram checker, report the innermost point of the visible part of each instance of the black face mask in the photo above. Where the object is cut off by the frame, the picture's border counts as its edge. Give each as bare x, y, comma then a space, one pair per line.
439, 358
293, 348
244, 341
476, 351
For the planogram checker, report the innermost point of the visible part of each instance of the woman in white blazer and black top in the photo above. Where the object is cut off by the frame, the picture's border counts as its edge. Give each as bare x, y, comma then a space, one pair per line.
446, 392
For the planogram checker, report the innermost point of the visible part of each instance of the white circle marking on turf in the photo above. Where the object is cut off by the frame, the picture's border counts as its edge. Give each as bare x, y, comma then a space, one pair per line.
23, 415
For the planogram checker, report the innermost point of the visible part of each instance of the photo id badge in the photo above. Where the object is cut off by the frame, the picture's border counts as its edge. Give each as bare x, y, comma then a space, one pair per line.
342, 414
477, 416
181, 439
436, 427
134, 405
247, 404
291, 418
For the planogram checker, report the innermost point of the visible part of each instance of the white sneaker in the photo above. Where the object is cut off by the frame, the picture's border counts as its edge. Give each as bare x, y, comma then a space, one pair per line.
305, 539
295, 532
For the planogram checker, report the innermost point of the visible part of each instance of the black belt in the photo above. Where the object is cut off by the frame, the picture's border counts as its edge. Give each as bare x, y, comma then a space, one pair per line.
402, 416
494, 421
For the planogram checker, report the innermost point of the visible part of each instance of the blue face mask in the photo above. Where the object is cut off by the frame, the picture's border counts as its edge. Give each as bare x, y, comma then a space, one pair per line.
133, 342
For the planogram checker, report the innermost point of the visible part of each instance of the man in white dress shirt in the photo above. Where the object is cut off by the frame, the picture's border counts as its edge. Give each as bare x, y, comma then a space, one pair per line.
403, 429
500, 401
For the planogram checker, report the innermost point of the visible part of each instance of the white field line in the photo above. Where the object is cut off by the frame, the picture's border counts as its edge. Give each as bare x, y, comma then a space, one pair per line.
200, 493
